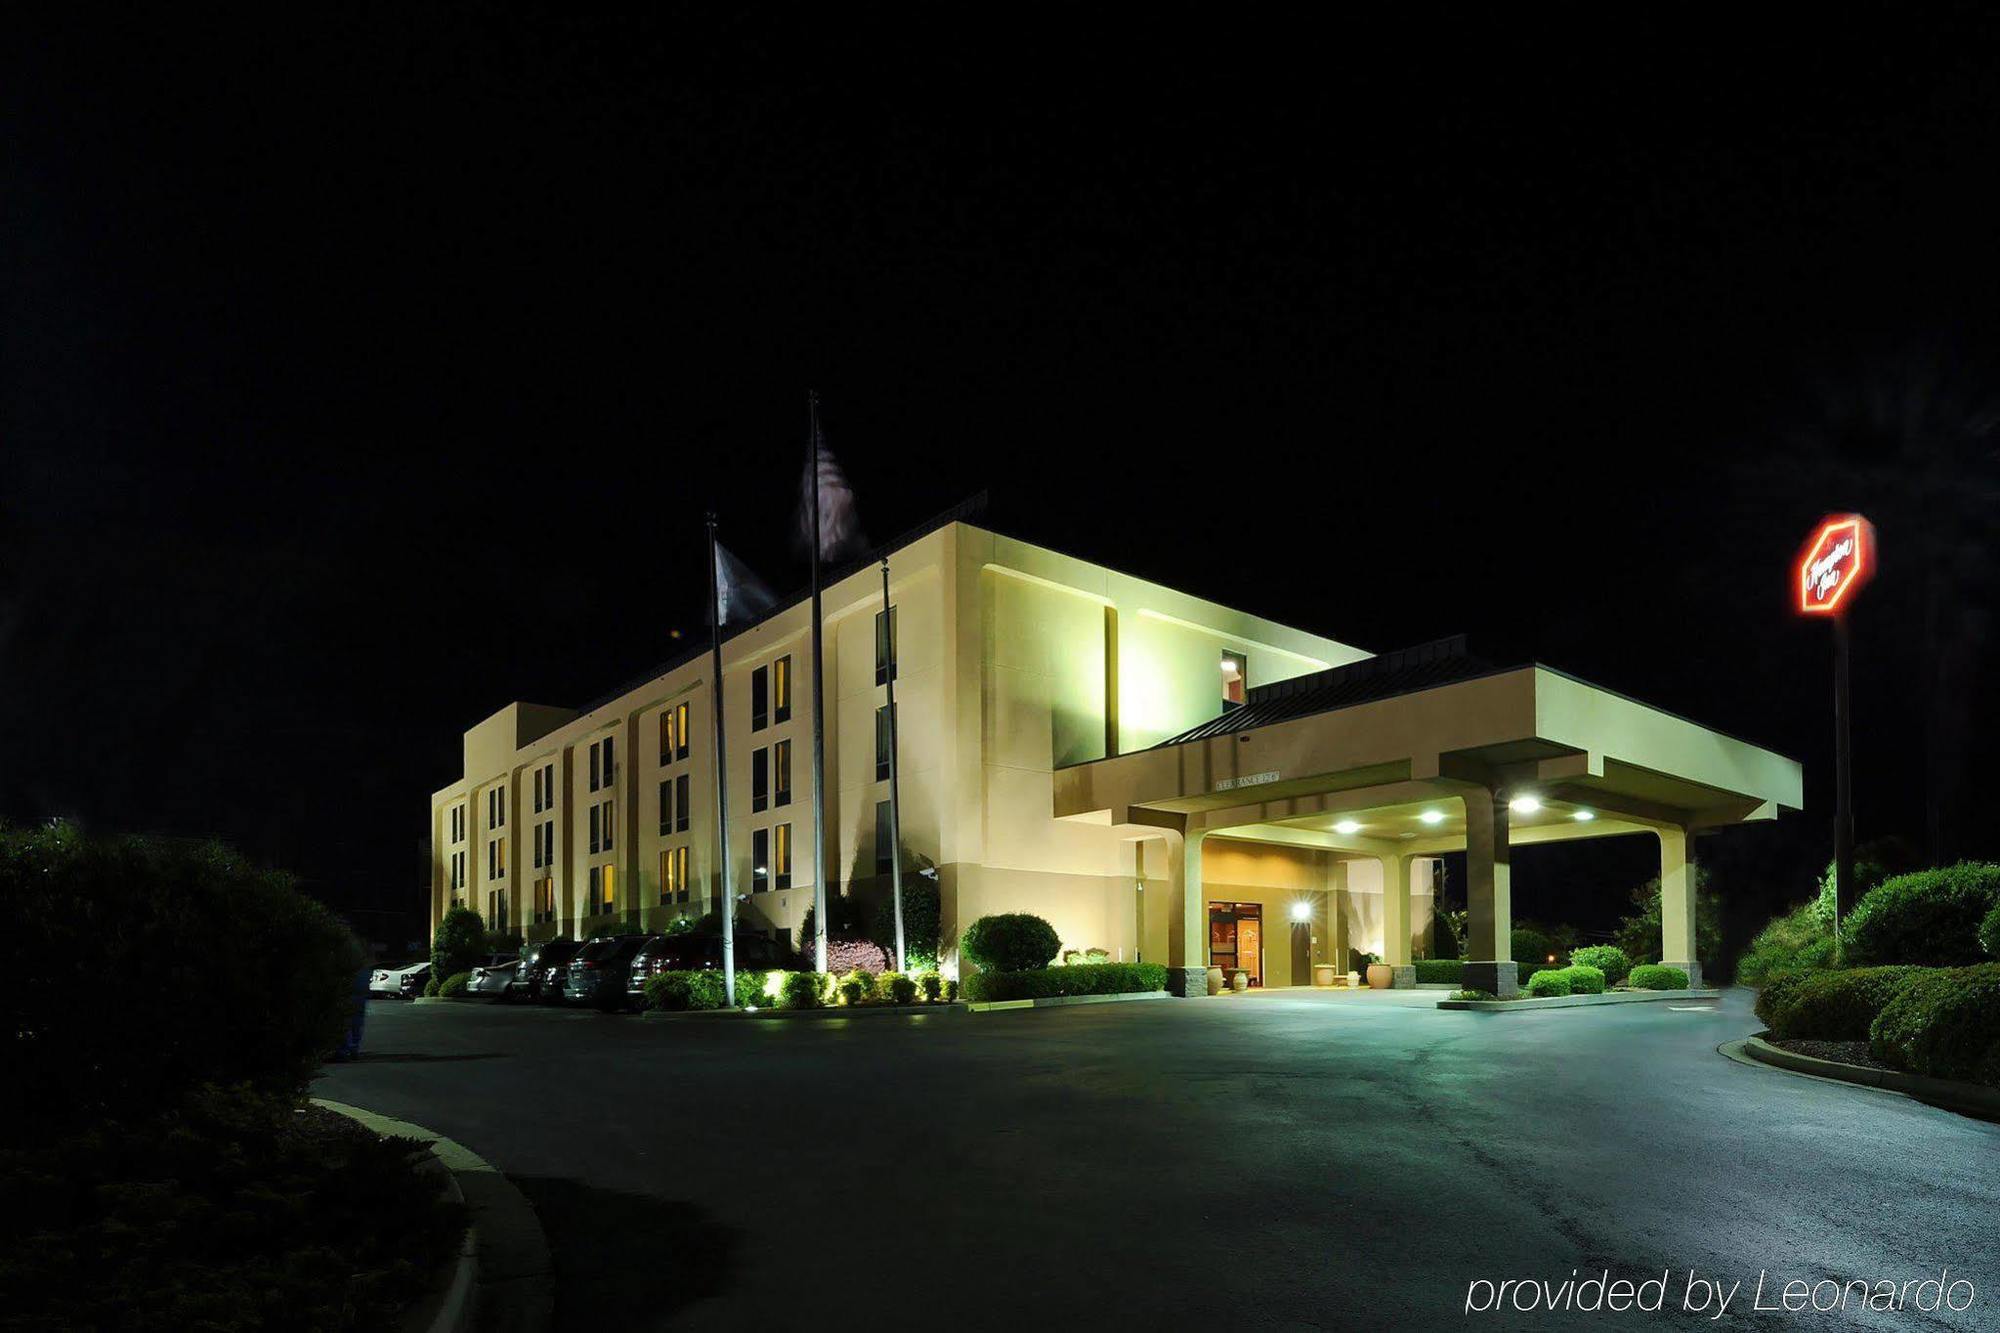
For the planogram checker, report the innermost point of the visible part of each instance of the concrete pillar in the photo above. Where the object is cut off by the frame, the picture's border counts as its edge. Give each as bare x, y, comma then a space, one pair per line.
1396, 919
1336, 916
1489, 897
1677, 933
1187, 927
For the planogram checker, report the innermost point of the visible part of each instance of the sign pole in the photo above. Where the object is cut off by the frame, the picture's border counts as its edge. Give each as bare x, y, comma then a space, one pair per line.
721, 776
1843, 809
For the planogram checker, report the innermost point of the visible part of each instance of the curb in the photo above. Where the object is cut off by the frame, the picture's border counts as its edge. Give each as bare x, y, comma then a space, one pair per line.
505, 1277
829, 1011
1971, 1099
1059, 1001
1577, 1001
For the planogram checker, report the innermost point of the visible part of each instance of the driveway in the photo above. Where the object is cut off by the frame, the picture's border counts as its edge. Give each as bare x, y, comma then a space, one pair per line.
1276, 1161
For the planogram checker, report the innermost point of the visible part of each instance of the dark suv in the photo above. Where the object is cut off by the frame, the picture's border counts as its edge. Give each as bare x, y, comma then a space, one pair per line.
700, 952
543, 967
600, 971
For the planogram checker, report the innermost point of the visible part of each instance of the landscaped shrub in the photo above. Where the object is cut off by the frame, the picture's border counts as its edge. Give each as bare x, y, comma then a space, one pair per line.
1080, 979
1639, 933
1943, 1023
1549, 982
1609, 959
138, 968
675, 991
1473, 995
857, 986
1009, 942
1652, 976
1532, 946
750, 989
1796, 941
432, 984
1775, 991
459, 943
1930, 917
1584, 979
931, 986
455, 984
1989, 932
844, 956
923, 914
1836, 1006
802, 990
1073, 957
1439, 970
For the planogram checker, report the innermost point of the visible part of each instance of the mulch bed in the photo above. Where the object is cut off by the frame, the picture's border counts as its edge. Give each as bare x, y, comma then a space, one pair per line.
1846, 1052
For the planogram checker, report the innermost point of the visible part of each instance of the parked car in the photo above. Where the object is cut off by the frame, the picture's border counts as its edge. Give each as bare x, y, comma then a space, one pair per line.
544, 967
495, 977
700, 952
605, 961
400, 983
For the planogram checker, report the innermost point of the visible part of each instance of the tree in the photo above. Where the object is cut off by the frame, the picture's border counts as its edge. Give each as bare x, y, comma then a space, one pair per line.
458, 943
1639, 933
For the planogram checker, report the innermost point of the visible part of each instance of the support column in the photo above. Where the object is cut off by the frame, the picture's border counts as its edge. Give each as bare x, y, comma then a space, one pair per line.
1677, 933
1396, 919
1336, 916
1188, 974
1489, 895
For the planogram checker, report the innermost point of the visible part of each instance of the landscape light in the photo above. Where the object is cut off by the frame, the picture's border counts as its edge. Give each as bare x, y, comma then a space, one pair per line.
1432, 816
1583, 816
1347, 826
1524, 805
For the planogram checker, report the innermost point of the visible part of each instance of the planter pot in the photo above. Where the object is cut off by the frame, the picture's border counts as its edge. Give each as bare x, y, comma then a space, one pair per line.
1381, 976
1215, 981
1240, 982
1323, 974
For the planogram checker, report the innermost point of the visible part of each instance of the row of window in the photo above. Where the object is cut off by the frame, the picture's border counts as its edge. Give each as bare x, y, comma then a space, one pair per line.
496, 858
771, 694
674, 804
545, 788
603, 890
457, 822
545, 899
457, 870
673, 734
602, 821
545, 843
496, 807
603, 762
771, 776
771, 858
674, 886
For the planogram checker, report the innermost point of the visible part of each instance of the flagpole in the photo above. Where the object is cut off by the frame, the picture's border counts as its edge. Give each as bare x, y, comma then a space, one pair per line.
819, 702
721, 777
895, 797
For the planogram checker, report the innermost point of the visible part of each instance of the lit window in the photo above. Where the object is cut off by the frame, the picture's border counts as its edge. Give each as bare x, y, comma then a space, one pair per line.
680, 874
1235, 677
681, 732
781, 773
760, 860
781, 856
781, 689
885, 646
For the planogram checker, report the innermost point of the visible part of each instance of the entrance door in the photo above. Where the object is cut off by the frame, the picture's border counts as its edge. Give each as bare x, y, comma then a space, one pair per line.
1250, 947
1302, 952
1236, 939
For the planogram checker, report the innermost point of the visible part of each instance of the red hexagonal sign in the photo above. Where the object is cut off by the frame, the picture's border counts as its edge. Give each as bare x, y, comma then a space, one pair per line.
1839, 559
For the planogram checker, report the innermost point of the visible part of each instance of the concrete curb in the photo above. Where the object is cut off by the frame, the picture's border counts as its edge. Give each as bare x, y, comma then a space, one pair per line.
1578, 1001
505, 1278
1971, 1099
1059, 1001
835, 1011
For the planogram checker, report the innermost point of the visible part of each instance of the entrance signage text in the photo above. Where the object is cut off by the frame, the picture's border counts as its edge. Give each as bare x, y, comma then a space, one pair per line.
1249, 780
1839, 558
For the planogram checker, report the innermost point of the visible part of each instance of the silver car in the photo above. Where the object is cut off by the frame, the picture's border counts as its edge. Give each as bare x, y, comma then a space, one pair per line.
497, 976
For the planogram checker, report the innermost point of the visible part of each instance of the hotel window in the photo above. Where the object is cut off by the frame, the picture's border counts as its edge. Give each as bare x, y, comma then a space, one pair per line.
885, 646
882, 743
496, 859
496, 807
596, 837
1235, 677
781, 773
666, 805
594, 782
537, 840
673, 729
760, 860
760, 698
681, 732
781, 689
545, 899
538, 791
760, 779
610, 810
681, 804
496, 910
603, 890
610, 762
673, 875
549, 784
781, 856
882, 839
549, 843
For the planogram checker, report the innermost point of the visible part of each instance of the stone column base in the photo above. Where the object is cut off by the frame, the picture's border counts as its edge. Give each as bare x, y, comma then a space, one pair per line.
1403, 977
1502, 979
1692, 969
1187, 981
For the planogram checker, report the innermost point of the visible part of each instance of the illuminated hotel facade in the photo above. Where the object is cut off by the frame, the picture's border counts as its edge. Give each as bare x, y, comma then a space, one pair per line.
1158, 775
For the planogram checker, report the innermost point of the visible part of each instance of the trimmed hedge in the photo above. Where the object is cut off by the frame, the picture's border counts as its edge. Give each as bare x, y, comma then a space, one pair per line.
1796, 941
1548, 982
1653, 976
1585, 979
455, 984
802, 990
679, 991
1989, 932
1931, 917
1440, 970
1609, 959
1009, 942
1834, 1006
1944, 1023
139, 968
1081, 979
1775, 992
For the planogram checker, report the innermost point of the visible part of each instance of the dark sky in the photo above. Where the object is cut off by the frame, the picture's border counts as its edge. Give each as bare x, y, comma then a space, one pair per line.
363, 373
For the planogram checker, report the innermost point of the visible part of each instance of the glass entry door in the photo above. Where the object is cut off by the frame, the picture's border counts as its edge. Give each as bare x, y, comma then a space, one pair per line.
1236, 939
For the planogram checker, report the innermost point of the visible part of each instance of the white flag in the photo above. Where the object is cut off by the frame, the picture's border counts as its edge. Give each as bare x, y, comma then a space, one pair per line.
739, 594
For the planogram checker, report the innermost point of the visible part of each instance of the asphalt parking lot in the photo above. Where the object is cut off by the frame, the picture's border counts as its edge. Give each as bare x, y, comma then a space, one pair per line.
1276, 1161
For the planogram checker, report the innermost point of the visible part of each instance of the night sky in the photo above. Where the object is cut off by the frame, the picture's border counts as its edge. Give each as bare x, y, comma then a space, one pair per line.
362, 374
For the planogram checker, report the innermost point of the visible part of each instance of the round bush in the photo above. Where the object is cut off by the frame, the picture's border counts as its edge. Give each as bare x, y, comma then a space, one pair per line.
896, 988
1943, 1023
1548, 983
1836, 1006
1608, 959
1653, 976
455, 984
1584, 979
1531, 946
1775, 991
139, 968
459, 943
802, 990
1009, 942
706, 991
1989, 932
750, 989
931, 986
1930, 917
844, 956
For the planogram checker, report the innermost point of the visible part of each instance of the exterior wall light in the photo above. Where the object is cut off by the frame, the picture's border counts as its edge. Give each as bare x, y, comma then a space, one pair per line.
1524, 805
1583, 816
1432, 816
1302, 911
1347, 826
